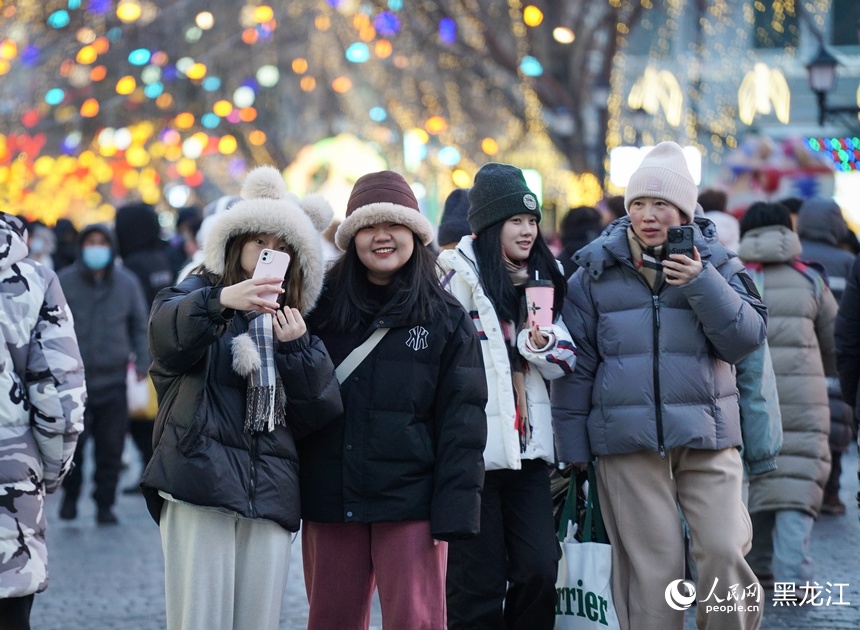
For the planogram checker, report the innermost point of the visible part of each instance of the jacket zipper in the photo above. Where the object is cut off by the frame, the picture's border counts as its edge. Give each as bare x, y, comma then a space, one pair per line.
252, 494
655, 302
658, 408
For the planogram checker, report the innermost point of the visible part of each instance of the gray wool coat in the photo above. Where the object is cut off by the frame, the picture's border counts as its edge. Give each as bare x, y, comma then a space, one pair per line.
653, 370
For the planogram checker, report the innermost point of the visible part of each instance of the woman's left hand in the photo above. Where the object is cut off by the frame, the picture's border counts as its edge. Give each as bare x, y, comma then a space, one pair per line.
288, 324
537, 338
680, 269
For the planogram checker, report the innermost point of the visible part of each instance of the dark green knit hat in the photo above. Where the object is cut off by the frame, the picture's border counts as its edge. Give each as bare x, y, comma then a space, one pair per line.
500, 192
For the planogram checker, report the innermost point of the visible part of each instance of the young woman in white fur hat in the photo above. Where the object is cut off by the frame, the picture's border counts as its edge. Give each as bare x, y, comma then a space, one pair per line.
238, 380
387, 484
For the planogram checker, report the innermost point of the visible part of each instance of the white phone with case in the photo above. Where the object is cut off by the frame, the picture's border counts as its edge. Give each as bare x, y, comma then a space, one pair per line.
272, 264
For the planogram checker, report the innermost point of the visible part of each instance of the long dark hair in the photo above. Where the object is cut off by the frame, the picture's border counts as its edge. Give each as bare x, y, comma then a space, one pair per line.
294, 294
414, 290
497, 281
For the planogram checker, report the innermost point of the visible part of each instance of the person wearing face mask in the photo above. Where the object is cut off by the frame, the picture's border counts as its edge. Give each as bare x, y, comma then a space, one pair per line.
654, 399
108, 305
505, 577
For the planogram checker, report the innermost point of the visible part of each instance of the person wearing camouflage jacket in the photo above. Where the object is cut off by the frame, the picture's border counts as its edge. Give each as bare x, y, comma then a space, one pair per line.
42, 396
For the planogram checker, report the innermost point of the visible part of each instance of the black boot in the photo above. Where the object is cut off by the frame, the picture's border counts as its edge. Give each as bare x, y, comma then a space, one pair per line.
69, 508
105, 516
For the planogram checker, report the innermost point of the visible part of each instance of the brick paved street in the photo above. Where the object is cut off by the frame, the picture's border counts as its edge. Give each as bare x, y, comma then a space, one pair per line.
110, 578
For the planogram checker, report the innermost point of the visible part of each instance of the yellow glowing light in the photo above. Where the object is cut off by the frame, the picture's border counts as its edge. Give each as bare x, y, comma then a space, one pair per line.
126, 85
532, 16
186, 167
8, 50
130, 179
383, 48
165, 101
227, 145
128, 10
341, 85
107, 150
257, 138
89, 108
101, 45
185, 120
322, 23
222, 108
205, 20
420, 135
563, 35
762, 87
360, 20
172, 154
489, 146
308, 84
461, 178
196, 71
263, 14
247, 114
4, 67
367, 33
137, 156
86, 55
98, 73
300, 65
43, 166
436, 125
250, 36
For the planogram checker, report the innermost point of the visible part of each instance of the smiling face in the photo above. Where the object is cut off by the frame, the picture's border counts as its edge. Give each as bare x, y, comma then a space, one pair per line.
518, 236
651, 218
383, 248
252, 248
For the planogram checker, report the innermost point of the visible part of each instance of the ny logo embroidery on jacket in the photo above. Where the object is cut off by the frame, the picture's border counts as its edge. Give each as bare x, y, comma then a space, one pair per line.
417, 338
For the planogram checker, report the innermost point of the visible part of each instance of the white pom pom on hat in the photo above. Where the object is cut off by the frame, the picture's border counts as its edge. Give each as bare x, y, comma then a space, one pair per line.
267, 207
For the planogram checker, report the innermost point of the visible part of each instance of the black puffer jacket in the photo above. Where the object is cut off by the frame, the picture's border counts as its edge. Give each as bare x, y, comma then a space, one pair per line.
409, 445
202, 454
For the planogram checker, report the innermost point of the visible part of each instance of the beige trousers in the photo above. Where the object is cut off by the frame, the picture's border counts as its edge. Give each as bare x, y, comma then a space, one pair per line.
222, 571
639, 497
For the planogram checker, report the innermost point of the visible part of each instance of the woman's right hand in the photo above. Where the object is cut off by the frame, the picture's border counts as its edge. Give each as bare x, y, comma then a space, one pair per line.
245, 295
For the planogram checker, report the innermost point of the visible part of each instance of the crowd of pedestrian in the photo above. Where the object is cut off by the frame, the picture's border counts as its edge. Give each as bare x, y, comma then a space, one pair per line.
401, 403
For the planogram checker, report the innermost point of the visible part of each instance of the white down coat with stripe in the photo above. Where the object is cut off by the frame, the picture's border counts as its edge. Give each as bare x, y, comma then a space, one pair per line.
554, 361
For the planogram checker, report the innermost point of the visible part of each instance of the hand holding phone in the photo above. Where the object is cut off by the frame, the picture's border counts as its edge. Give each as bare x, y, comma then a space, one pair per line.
680, 240
271, 264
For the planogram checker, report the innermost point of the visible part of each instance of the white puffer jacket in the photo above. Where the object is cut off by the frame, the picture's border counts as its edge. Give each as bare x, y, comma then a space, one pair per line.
554, 361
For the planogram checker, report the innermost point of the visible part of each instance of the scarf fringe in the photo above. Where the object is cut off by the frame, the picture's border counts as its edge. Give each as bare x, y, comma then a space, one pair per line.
265, 408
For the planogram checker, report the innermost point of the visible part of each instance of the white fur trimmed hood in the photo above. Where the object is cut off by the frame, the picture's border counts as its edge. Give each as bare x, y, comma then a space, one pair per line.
266, 207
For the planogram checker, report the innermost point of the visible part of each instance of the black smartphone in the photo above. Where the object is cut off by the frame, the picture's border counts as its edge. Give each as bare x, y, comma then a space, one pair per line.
680, 240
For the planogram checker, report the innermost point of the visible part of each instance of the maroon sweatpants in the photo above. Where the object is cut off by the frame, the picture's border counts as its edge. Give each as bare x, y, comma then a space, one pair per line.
345, 562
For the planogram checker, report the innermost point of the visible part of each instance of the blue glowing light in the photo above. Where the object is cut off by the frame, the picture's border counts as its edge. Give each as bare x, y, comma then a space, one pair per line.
358, 52
378, 114
154, 90
55, 96
210, 120
211, 84
139, 57
447, 31
531, 67
58, 19
387, 24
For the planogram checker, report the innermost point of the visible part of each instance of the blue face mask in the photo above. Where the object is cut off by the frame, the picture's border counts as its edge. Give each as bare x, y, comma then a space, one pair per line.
96, 257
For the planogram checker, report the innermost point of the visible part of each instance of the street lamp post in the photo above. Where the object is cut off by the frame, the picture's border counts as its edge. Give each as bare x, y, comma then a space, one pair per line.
821, 72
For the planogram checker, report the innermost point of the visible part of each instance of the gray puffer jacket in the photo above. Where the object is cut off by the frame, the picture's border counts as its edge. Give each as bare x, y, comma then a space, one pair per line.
653, 369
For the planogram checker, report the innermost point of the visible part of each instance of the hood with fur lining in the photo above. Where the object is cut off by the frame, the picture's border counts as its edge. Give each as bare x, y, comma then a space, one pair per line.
266, 207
